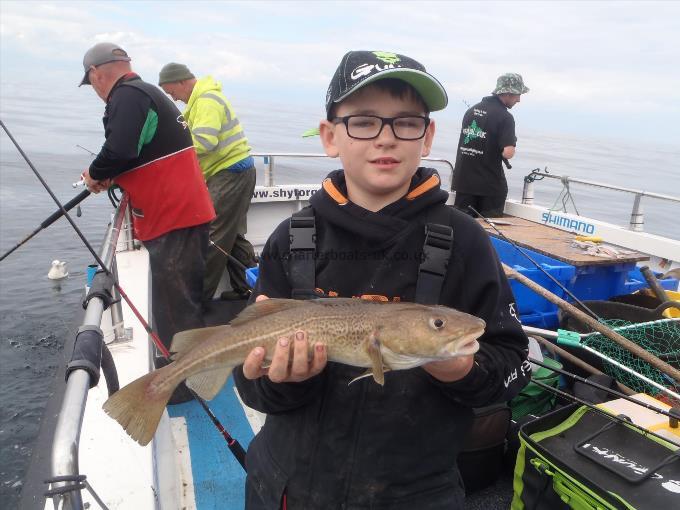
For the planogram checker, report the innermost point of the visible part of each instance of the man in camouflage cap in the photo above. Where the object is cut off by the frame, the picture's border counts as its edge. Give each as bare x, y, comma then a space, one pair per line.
510, 83
487, 139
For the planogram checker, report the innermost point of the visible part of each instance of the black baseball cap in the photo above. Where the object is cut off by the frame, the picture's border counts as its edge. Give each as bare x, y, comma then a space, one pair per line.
359, 68
102, 53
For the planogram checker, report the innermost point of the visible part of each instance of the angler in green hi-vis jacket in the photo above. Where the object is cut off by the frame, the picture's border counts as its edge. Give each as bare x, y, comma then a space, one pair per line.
224, 156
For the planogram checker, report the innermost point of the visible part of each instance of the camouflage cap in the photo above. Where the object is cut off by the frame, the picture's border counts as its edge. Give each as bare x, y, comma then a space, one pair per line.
510, 83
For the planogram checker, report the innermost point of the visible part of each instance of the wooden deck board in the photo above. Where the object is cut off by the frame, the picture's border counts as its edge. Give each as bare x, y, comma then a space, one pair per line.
555, 243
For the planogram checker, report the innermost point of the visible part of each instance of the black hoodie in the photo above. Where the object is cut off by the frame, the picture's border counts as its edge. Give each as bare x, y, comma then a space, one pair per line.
330, 445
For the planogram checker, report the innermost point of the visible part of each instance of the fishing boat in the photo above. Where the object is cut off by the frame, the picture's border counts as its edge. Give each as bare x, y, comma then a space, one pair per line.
84, 459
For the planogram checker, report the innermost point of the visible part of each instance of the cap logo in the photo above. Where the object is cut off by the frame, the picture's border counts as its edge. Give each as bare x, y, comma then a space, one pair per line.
387, 57
363, 70
366, 69
119, 52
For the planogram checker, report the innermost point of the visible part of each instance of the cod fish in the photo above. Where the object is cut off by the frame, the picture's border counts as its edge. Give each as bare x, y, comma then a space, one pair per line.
375, 335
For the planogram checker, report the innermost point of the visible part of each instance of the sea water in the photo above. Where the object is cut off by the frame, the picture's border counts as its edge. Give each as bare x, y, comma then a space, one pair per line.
37, 314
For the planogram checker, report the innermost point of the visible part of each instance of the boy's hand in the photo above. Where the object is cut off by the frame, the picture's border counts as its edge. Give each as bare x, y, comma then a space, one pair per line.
450, 370
283, 368
290, 361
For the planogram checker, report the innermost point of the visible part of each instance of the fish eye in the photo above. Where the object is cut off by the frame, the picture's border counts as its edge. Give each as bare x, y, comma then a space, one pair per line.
437, 323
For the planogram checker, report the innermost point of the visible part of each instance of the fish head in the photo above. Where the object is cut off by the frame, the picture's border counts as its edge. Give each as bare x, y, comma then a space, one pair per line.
418, 334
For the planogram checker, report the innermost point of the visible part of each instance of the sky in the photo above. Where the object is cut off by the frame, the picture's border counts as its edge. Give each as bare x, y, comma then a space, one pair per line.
595, 69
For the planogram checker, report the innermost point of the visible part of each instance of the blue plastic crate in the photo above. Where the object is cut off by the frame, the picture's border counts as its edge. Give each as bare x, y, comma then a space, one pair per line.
635, 281
251, 275
600, 282
533, 308
543, 320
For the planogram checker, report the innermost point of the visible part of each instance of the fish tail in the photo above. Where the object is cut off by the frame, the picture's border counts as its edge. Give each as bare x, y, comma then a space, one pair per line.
138, 407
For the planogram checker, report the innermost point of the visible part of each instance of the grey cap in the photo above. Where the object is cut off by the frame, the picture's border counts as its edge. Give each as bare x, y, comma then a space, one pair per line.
510, 83
174, 72
102, 53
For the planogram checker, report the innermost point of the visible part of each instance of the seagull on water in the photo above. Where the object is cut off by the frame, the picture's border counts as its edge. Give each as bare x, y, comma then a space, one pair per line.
58, 270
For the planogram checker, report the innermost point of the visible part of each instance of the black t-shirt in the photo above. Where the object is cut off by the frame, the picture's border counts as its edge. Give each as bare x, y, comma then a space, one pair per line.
488, 127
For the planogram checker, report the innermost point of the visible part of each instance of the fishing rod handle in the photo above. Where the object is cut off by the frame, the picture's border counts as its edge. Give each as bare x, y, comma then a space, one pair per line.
68, 206
238, 451
657, 289
568, 338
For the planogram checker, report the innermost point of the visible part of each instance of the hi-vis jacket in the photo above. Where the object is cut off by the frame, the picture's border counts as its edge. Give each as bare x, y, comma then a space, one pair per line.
217, 133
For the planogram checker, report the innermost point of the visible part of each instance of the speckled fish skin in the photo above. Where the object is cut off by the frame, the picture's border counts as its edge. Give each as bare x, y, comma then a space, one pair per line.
344, 326
380, 336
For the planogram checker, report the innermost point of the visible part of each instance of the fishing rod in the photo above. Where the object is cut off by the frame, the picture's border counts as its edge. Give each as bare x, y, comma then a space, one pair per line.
571, 339
230, 257
622, 419
86, 150
601, 328
233, 445
50, 219
671, 413
556, 350
559, 284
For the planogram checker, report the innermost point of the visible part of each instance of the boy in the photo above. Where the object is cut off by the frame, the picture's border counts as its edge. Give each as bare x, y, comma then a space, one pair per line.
328, 444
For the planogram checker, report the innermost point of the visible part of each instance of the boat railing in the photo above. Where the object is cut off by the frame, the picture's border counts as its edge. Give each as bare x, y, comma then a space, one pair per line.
270, 158
637, 214
66, 481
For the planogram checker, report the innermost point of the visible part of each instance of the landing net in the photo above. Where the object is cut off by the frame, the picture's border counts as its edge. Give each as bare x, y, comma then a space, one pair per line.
660, 338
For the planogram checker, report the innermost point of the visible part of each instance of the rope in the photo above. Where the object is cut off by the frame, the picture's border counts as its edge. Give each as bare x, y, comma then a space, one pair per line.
564, 196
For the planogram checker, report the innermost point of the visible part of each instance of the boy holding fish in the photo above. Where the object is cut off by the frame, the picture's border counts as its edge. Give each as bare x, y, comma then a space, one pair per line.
327, 443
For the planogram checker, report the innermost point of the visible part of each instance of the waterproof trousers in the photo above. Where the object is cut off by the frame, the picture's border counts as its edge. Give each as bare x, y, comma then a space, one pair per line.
231, 193
177, 262
487, 206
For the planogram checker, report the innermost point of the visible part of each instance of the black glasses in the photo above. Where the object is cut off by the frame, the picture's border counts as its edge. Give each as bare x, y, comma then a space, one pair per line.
367, 127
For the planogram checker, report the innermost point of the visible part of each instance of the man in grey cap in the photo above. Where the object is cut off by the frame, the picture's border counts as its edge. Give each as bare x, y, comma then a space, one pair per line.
228, 168
149, 153
487, 140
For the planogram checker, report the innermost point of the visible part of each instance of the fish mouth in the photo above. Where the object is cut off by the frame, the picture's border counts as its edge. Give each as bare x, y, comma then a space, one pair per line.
463, 346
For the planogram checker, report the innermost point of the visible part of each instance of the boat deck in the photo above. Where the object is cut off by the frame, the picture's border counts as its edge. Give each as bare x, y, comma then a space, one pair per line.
555, 243
212, 477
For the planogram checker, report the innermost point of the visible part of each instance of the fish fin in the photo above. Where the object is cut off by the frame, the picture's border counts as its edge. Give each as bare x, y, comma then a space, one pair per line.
374, 353
367, 373
208, 383
185, 340
265, 307
137, 408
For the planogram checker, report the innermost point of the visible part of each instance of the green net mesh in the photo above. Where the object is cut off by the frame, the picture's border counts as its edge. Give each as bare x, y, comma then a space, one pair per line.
660, 338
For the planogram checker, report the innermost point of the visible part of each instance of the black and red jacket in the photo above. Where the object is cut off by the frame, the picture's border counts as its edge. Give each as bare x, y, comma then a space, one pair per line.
149, 153
334, 445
